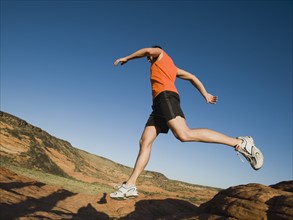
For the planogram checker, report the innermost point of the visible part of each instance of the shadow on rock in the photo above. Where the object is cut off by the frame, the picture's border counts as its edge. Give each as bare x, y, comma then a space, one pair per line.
161, 209
280, 207
89, 213
32, 205
103, 200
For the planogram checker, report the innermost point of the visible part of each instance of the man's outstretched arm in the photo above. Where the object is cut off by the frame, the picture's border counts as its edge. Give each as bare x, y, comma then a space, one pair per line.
198, 84
144, 52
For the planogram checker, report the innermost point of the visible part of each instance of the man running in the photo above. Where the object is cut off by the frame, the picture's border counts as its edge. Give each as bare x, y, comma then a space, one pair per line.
167, 114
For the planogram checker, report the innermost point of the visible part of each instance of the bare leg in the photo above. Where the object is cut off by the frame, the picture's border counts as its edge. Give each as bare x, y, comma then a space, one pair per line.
148, 136
184, 133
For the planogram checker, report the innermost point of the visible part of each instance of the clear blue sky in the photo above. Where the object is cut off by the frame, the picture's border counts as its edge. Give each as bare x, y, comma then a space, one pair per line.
57, 73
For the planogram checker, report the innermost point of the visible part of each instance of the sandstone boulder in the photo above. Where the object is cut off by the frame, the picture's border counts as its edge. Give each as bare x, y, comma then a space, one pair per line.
253, 201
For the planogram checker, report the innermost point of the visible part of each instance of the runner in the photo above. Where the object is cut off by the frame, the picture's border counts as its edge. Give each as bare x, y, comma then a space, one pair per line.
167, 114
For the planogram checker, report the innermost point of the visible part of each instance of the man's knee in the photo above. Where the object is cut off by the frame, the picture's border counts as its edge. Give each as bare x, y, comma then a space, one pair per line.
140, 142
182, 136
144, 143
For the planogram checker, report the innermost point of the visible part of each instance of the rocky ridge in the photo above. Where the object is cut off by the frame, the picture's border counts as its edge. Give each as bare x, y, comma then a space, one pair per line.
43, 177
25, 198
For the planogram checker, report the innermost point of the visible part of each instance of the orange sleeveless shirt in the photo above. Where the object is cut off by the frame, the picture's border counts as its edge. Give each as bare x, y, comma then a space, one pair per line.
163, 75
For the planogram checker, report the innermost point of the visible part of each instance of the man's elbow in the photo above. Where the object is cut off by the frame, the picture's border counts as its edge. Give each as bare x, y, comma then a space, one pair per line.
155, 52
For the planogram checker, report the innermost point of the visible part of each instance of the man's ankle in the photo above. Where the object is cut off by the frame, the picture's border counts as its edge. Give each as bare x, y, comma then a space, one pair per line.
129, 184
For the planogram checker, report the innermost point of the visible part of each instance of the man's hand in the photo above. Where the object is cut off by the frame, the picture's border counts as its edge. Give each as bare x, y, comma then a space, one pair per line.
211, 99
120, 60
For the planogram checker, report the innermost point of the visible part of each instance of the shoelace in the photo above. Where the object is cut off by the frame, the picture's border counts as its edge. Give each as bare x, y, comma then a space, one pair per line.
238, 154
117, 186
239, 151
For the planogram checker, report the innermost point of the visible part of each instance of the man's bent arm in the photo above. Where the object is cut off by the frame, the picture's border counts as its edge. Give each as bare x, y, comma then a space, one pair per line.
196, 83
144, 52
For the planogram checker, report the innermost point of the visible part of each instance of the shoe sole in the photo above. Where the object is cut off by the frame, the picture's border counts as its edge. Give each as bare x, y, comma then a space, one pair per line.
257, 158
124, 198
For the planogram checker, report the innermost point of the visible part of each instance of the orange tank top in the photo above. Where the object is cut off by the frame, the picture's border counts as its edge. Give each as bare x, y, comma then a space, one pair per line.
163, 75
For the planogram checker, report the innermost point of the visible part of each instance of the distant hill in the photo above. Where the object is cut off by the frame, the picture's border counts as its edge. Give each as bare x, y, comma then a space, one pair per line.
28, 147
43, 177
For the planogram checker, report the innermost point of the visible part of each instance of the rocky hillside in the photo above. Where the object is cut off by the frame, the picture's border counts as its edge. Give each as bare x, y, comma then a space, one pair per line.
43, 177
30, 150
25, 198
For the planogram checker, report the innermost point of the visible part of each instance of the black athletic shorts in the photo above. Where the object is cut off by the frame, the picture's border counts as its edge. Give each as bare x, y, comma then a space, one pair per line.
166, 106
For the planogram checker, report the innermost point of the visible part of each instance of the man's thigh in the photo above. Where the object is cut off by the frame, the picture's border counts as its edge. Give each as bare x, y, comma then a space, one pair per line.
149, 134
178, 125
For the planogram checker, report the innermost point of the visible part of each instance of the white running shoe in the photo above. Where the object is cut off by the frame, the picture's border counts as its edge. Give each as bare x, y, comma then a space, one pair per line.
124, 192
251, 153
